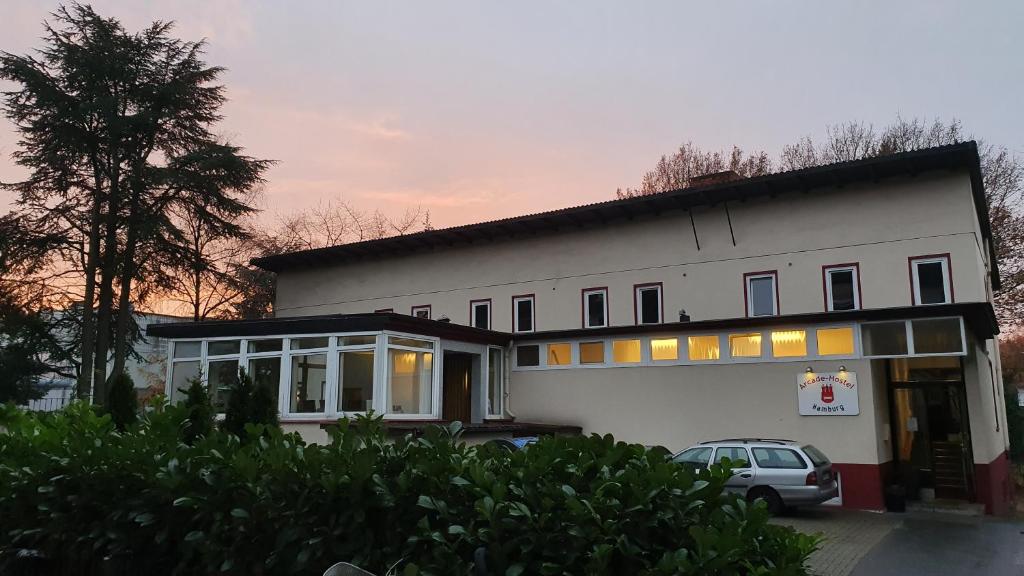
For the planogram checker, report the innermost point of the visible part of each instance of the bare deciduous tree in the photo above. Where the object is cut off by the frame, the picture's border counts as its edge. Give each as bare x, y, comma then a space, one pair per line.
1002, 171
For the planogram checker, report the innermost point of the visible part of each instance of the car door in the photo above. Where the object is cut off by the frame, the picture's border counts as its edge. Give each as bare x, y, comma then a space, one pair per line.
742, 470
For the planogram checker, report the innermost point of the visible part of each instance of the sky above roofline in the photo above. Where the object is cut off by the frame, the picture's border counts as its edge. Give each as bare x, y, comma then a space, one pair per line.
485, 110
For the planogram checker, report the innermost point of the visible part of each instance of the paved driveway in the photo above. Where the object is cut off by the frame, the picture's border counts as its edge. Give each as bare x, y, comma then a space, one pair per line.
871, 544
948, 545
847, 536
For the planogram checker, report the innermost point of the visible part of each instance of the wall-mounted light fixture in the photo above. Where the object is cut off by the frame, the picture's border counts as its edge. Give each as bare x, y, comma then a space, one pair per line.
842, 368
810, 370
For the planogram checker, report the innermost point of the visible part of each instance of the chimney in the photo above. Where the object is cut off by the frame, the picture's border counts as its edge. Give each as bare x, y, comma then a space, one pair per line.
714, 178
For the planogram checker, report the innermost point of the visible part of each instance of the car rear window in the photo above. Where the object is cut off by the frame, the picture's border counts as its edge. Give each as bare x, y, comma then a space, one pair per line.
778, 458
816, 456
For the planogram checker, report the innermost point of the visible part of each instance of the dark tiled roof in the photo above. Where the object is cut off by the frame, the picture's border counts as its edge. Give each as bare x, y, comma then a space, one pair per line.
963, 156
328, 323
980, 318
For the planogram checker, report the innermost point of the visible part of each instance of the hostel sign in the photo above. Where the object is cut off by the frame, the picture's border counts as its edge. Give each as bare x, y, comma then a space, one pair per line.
828, 394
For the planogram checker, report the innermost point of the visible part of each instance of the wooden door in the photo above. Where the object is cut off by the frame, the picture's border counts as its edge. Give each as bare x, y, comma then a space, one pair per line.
457, 378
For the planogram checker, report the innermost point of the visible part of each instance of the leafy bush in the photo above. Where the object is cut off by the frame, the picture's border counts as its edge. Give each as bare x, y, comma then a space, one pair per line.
248, 403
122, 402
77, 490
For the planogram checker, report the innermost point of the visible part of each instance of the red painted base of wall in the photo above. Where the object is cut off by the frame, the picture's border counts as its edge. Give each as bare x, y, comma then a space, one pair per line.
862, 485
993, 485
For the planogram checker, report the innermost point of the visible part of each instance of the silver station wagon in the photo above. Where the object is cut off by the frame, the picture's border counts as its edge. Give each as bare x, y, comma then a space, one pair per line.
783, 473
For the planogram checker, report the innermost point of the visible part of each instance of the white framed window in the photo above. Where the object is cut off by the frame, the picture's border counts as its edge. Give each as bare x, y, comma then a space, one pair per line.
480, 313
413, 378
356, 374
523, 314
595, 307
495, 382
842, 287
760, 291
930, 280
186, 364
647, 303
422, 311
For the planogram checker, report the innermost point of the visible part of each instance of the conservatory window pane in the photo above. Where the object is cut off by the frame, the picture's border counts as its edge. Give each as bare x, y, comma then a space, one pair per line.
703, 347
626, 351
410, 342
307, 343
411, 381
223, 347
528, 355
266, 372
664, 348
257, 346
591, 352
789, 343
745, 345
835, 341
357, 340
181, 375
222, 378
308, 383
355, 377
884, 339
494, 379
187, 349
937, 336
559, 354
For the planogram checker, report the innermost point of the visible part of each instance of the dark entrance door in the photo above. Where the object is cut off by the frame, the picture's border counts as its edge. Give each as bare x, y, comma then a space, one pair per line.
931, 435
458, 368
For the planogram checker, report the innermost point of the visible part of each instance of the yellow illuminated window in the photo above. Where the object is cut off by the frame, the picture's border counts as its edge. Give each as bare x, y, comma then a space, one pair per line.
787, 343
559, 354
835, 341
591, 352
664, 349
745, 345
703, 347
626, 351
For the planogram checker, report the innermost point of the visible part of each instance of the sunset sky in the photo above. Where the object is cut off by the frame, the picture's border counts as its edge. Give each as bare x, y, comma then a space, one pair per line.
479, 110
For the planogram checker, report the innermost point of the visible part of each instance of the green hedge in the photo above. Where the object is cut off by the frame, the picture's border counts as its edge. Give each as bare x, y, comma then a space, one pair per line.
75, 489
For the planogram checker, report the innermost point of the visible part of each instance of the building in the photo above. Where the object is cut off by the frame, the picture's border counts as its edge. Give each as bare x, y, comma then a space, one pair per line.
146, 367
848, 306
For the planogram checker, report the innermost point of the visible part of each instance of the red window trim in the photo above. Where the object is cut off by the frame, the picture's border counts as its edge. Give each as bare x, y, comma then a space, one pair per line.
746, 296
490, 312
583, 306
949, 274
824, 283
533, 312
430, 312
661, 303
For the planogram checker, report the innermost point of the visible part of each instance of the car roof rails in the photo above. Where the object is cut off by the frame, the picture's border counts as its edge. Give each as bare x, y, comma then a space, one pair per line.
750, 440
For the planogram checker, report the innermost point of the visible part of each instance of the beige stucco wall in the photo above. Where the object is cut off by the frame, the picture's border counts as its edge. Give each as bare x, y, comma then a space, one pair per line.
879, 226
677, 406
986, 408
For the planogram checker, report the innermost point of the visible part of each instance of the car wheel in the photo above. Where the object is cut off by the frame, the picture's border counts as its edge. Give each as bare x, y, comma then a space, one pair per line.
770, 497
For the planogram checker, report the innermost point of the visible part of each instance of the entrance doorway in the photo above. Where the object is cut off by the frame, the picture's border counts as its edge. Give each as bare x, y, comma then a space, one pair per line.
931, 432
456, 392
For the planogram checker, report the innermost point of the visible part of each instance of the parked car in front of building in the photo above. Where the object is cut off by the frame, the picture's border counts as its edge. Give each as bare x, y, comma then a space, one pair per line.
783, 473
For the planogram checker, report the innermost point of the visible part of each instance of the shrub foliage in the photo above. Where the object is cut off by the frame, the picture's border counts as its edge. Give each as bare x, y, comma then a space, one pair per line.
122, 401
74, 488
